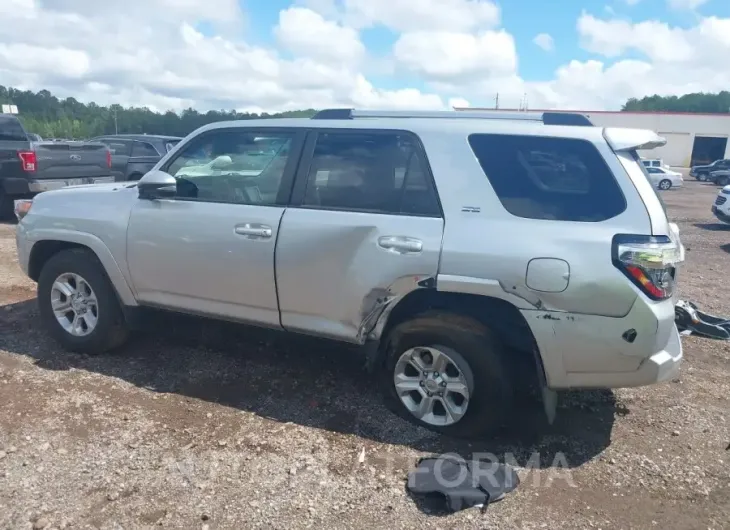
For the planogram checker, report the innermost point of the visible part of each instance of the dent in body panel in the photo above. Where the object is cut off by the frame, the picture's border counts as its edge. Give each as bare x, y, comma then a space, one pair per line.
334, 279
379, 304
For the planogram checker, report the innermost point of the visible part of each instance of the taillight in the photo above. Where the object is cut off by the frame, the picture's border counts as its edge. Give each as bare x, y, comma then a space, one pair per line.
108, 159
649, 262
22, 207
27, 160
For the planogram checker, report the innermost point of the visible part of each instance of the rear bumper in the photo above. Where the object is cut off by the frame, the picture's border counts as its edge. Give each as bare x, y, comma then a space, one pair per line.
37, 186
590, 351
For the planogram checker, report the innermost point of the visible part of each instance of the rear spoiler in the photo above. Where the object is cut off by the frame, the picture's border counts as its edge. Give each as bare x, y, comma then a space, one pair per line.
632, 139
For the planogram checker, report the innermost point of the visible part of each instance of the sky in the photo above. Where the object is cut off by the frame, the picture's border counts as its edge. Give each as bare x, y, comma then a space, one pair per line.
275, 55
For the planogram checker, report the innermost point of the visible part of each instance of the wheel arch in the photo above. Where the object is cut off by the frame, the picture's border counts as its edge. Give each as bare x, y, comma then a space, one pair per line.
51, 242
501, 316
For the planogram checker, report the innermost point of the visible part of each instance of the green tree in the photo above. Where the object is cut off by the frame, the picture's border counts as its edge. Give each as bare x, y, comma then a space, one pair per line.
697, 102
45, 114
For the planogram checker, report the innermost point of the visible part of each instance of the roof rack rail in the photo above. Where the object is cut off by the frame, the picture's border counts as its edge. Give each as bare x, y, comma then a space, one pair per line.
548, 118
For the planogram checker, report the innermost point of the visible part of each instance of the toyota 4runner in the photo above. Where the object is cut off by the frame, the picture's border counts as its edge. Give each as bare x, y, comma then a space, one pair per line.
468, 253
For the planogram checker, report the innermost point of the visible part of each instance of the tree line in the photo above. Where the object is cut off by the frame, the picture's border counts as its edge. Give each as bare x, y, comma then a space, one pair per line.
51, 117
698, 102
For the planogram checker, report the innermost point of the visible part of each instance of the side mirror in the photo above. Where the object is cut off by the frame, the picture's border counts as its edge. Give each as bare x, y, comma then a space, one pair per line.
157, 185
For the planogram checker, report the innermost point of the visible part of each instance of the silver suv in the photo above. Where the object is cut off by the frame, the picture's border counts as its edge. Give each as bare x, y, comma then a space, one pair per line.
468, 253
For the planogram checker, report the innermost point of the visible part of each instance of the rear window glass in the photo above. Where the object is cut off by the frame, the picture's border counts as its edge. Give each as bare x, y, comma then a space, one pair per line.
11, 130
561, 179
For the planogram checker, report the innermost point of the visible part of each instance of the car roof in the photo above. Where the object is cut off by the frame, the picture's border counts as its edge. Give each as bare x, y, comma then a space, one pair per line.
419, 125
142, 136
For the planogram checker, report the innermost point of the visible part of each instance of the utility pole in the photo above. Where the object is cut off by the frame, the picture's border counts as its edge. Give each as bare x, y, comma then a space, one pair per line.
116, 129
496, 101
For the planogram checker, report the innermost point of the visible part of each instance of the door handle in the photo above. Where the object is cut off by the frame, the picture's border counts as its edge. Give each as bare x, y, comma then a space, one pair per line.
401, 244
253, 231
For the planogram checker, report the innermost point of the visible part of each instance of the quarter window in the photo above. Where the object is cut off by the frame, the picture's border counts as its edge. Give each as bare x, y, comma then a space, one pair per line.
373, 172
240, 167
560, 179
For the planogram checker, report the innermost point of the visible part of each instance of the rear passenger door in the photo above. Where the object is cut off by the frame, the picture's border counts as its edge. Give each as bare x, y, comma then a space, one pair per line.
364, 226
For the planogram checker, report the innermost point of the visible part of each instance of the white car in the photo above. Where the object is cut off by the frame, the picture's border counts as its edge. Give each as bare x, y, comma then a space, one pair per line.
721, 207
665, 179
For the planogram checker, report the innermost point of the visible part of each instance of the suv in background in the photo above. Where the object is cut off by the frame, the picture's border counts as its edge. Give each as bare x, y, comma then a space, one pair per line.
721, 206
29, 167
133, 155
468, 253
702, 173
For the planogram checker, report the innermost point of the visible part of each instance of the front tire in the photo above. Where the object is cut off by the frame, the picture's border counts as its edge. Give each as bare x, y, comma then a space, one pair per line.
702, 177
446, 372
665, 184
78, 305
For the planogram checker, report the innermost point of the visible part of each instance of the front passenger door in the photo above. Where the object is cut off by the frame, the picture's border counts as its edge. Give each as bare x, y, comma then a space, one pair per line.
210, 250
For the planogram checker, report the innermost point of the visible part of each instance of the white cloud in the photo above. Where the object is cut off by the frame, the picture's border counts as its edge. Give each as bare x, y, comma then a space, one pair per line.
544, 41
685, 4
173, 54
412, 15
152, 52
306, 33
453, 56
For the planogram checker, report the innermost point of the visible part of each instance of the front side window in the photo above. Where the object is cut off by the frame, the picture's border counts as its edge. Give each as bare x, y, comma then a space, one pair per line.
241, 167
373, 172
562, 179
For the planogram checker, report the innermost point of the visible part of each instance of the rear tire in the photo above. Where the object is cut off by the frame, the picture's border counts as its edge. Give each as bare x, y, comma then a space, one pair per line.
101, 327
475, 359
665, 184
722, 181
6, 207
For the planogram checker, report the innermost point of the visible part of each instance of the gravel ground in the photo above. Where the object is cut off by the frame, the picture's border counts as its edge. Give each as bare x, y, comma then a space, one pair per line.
207, 425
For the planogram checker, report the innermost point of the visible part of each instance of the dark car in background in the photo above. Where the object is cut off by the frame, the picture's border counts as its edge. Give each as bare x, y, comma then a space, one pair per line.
702, 173
133, 155
29, 166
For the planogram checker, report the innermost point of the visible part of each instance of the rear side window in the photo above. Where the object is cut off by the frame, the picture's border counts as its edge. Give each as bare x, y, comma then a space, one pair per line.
144, 149
11, 130
372, 172
118, 147
560, 179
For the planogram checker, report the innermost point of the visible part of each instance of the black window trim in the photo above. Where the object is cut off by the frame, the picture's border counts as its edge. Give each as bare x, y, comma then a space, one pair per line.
600, 155
285, 186
302, 175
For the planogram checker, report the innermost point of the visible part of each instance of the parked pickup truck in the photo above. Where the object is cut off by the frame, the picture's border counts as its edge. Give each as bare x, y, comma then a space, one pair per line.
29, 167
702, 173
133, 155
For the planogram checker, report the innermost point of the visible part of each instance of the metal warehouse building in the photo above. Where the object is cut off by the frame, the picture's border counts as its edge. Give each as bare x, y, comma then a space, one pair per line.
692, 139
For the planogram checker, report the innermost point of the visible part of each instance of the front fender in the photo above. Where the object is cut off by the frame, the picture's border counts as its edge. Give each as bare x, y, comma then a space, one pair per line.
97, 246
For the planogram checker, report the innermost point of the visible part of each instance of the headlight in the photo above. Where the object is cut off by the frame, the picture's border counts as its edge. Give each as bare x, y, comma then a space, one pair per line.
22, 207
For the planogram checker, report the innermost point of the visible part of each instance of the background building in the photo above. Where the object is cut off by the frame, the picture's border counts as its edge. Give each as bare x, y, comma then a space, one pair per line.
692, 139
